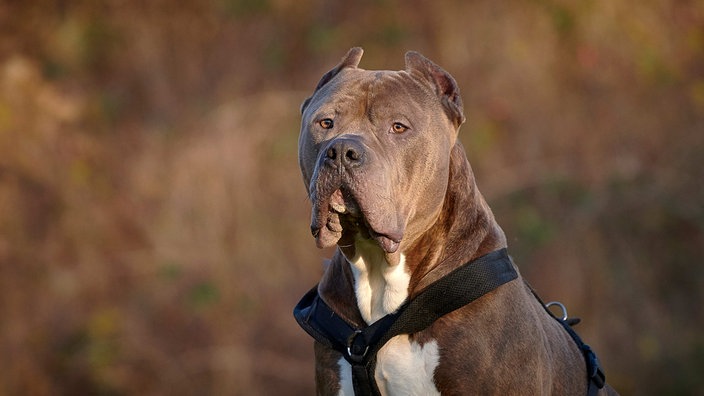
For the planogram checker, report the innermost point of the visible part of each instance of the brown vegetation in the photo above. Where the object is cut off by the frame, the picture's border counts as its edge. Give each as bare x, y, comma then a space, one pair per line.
154, 227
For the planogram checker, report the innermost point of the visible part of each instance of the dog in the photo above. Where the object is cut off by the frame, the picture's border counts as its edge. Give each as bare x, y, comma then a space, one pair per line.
391, 186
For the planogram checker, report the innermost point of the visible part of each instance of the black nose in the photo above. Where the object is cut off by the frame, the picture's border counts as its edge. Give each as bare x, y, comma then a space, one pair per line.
345, 152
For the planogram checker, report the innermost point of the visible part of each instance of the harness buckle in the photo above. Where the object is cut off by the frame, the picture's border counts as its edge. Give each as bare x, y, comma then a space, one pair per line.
356, 357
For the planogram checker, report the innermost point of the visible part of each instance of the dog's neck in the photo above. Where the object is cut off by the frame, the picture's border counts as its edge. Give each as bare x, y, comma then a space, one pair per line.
464, 230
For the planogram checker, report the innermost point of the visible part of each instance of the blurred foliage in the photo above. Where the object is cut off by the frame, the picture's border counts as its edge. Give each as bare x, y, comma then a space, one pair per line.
153, 228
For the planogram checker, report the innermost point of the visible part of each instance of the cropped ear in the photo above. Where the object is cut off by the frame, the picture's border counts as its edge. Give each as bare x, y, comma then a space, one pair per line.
351, 59
445, 85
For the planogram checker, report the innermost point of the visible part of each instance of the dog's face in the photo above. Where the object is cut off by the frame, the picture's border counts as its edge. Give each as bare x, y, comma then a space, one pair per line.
374, 151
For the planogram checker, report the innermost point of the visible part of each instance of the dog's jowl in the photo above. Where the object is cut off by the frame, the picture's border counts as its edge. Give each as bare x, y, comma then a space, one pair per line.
420, 297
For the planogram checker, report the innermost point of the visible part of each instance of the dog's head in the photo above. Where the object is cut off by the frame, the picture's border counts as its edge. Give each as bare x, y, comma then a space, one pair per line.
374, 151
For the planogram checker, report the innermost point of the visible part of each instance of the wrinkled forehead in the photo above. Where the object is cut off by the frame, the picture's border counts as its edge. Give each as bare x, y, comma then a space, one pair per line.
372, 91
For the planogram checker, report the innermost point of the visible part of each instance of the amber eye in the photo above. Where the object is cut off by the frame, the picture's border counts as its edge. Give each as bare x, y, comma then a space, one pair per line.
326, 123
397, 127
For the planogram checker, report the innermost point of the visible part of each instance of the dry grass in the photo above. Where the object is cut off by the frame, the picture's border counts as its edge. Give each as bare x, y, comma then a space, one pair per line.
153, 223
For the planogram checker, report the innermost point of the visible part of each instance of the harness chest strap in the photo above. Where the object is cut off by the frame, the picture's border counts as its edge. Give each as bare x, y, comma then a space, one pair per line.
359, 346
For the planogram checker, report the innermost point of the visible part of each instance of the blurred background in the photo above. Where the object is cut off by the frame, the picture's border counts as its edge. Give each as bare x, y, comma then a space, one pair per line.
154, 228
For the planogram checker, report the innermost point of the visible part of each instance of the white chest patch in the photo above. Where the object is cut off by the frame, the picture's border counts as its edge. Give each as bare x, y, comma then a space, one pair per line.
379, 287
403, 368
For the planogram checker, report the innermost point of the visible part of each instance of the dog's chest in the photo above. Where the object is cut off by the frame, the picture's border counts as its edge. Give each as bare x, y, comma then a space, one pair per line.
403, 367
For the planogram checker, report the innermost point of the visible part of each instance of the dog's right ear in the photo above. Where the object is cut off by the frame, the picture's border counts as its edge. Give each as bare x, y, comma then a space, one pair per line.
354, 55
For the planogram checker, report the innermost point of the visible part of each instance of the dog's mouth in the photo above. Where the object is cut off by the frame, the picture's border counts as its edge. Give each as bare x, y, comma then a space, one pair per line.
339, 219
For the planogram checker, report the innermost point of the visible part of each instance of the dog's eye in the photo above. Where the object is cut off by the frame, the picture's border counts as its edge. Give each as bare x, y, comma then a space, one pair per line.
397, 127
326, 123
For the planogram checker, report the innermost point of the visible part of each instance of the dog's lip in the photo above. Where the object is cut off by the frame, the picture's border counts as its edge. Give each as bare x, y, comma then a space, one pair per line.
388, 243
341, 207
344, 203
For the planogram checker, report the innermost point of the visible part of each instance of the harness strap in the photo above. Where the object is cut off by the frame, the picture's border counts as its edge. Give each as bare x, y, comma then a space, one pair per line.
596, 379
359, 346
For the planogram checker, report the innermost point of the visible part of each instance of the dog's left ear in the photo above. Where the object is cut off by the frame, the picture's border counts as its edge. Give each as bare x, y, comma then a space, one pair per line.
445, 85
351, 59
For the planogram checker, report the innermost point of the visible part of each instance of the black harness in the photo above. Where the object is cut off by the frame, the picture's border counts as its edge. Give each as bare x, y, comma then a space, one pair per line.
460, 287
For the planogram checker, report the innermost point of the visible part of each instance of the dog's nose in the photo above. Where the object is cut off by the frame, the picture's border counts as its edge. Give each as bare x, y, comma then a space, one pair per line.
345, 152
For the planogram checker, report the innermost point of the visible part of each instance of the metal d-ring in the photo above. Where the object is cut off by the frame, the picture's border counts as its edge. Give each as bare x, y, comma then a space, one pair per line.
562, 307
355, 357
